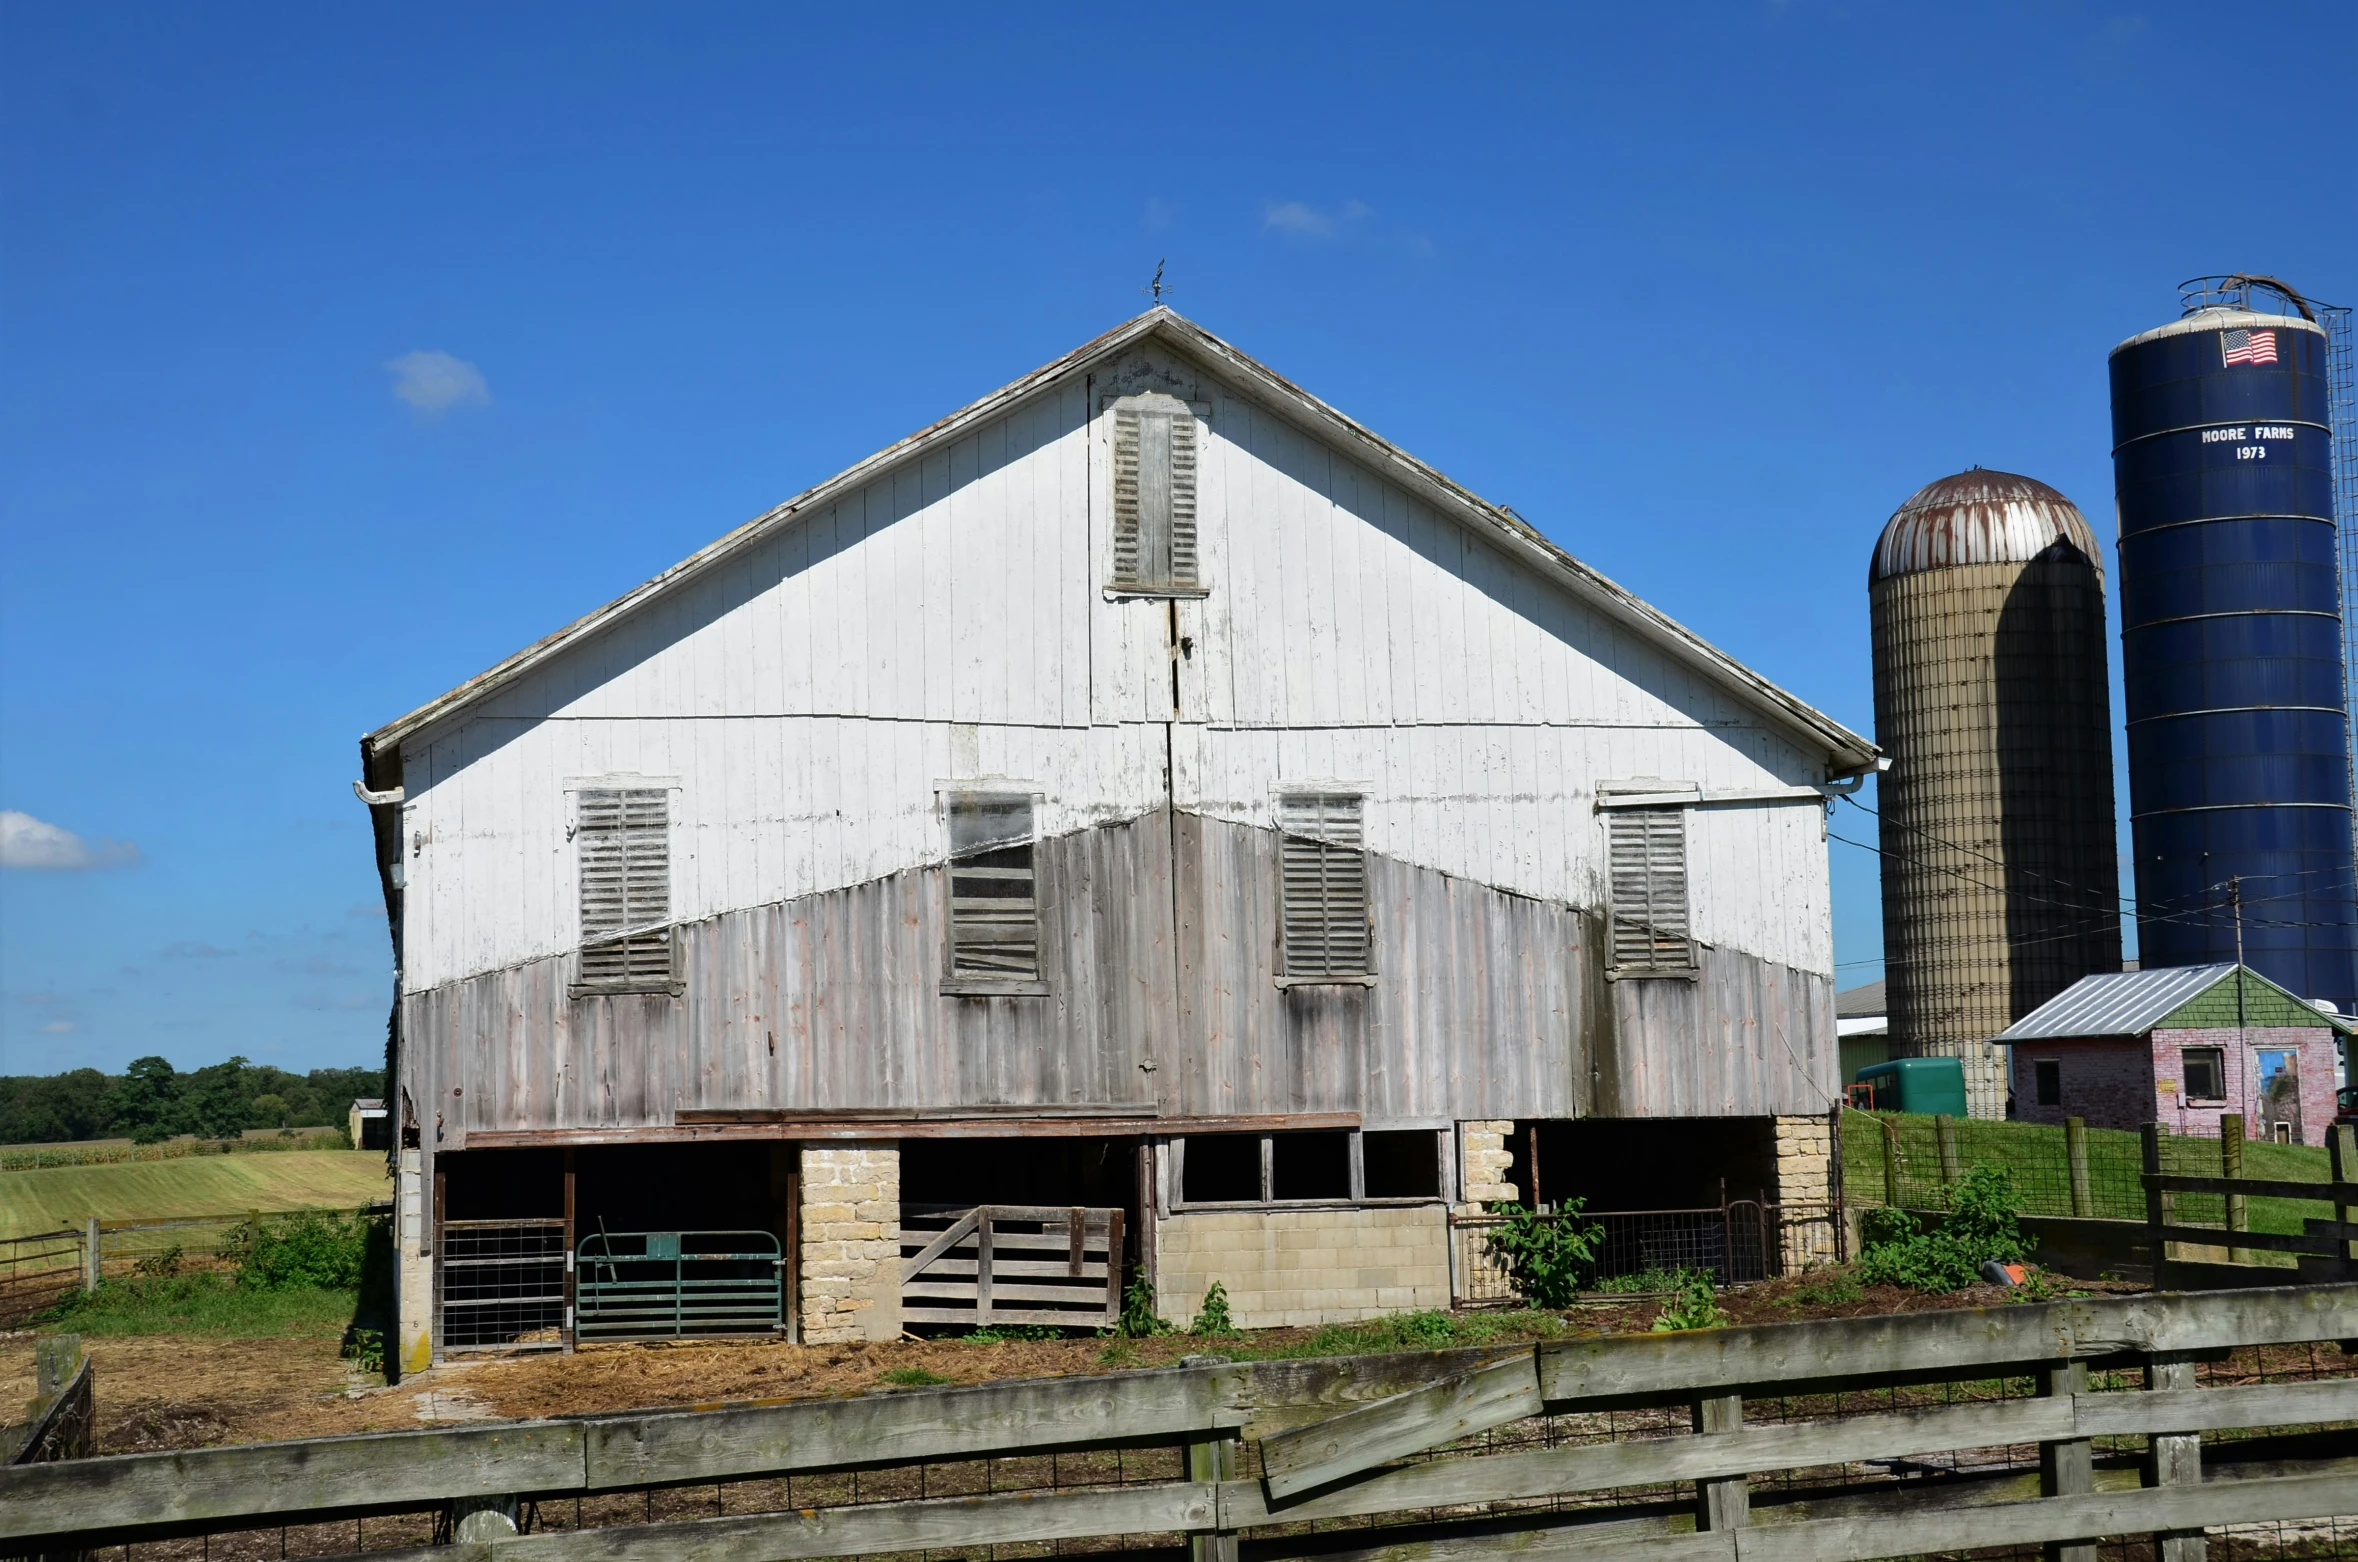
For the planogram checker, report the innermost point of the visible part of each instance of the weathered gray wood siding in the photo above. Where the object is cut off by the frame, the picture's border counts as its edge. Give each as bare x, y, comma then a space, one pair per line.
1486, 1004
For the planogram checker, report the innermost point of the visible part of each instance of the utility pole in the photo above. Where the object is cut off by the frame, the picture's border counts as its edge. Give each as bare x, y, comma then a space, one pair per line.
2242, 1043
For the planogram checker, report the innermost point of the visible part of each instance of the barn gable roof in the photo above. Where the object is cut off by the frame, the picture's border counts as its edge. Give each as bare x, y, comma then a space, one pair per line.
1847, 752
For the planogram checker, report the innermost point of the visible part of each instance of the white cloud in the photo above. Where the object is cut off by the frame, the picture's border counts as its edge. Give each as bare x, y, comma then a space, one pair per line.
190, 949
1160, 214
27, 842
1298, 219
1304, 221
434, 382
59, 1028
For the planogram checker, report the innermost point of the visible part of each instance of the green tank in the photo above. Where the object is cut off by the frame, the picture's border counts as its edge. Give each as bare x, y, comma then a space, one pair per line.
1917, 1085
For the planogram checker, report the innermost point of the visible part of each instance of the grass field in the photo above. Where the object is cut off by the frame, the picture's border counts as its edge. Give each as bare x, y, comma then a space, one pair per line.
2034, 1156
60, 1196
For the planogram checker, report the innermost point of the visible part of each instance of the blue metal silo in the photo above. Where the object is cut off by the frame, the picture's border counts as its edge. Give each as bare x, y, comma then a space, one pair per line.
2239, 767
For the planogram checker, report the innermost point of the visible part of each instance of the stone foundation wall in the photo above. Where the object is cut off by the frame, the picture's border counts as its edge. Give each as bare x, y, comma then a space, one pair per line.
851, 1243
1283, 1267
1805, 1190
1483, 1162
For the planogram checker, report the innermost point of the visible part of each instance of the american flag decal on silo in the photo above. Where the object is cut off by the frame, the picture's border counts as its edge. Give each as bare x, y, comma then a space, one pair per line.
2248, 346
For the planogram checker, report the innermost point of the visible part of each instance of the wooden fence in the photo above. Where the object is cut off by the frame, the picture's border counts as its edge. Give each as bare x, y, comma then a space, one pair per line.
1819, 1441
978, 1265
2326, 1249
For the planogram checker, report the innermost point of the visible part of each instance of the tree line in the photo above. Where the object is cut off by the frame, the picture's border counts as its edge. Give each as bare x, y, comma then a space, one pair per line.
151, 1101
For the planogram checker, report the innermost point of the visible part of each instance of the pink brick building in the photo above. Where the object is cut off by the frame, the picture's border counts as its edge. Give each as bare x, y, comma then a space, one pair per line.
2182, 1046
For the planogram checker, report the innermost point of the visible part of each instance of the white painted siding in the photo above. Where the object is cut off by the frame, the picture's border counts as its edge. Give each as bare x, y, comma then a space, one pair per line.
949, 620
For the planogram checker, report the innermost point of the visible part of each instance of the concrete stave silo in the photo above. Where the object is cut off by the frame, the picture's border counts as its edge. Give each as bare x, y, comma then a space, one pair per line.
2001, 883
2231, 643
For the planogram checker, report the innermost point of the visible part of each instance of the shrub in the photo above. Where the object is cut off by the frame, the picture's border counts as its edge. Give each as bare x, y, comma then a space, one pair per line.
1695, 1307
1980, 1227
159, 1266
1546, 1254
310, 1249
1213, 1317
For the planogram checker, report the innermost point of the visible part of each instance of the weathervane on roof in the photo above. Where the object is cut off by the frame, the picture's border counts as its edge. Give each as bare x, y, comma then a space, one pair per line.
1156, 286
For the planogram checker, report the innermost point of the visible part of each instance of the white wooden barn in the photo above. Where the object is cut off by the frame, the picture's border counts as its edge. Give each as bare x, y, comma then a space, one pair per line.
1144, 790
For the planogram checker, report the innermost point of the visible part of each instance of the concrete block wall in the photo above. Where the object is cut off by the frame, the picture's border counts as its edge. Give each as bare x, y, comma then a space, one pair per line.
1309, 1266
1805, 1177
413, 1278
851, 1242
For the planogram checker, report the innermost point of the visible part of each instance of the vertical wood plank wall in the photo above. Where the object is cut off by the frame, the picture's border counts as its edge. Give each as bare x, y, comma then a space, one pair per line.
1486, 1005
948, 621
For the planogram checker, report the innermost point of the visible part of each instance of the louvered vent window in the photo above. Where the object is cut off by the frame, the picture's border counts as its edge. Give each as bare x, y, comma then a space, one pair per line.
624, 842
1154, 495
994, 901
1325, 932
1649, 867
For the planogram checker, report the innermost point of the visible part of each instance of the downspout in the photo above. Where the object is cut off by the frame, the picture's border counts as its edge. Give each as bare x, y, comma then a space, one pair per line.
380, 787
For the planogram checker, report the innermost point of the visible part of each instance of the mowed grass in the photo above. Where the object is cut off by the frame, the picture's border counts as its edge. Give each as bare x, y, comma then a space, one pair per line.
57, 1197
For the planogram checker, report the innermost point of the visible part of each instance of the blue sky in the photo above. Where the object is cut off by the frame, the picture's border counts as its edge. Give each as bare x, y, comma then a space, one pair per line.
346, 349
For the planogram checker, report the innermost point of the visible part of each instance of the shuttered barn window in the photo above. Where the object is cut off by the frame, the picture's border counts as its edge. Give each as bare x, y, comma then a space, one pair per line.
994, 895
1325, 931
623, 839
1154, 495
1649, 872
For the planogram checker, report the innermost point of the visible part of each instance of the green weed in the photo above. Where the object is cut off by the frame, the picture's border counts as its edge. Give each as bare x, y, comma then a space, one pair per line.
1695, 1307
1547, 1255
1007, 1333
1643, 1281
1139, 1319
1212, 1318
1980, 1226
912, 1377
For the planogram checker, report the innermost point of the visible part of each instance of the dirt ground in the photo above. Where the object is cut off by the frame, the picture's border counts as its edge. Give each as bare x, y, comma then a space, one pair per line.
167, 1391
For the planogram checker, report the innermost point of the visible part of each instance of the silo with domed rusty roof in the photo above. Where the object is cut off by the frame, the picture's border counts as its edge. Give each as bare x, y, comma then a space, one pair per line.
2001, 882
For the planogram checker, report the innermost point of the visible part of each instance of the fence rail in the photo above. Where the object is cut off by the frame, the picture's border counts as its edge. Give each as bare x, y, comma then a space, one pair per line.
1803, 1442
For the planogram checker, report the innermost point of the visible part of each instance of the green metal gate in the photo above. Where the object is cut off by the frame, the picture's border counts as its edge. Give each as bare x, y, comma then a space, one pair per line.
663, 1284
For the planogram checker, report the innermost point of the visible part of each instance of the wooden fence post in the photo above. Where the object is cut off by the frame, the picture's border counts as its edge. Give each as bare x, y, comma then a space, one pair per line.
982, 1267
90, 1255
2075, 1154
1726, 1503
1891, 1163
1944, 1140
2341, 1149
1212, 1459
2174, 1459
2067, 1466
2156, 1206
2231, 1165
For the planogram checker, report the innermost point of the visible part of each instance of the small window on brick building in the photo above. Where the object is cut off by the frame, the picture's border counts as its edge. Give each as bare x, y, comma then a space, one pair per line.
2206, 1074
2049, 1076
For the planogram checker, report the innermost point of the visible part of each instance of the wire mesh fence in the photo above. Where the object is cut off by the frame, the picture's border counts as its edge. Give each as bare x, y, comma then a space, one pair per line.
1736, 1243
503, 1284
2094, 1173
